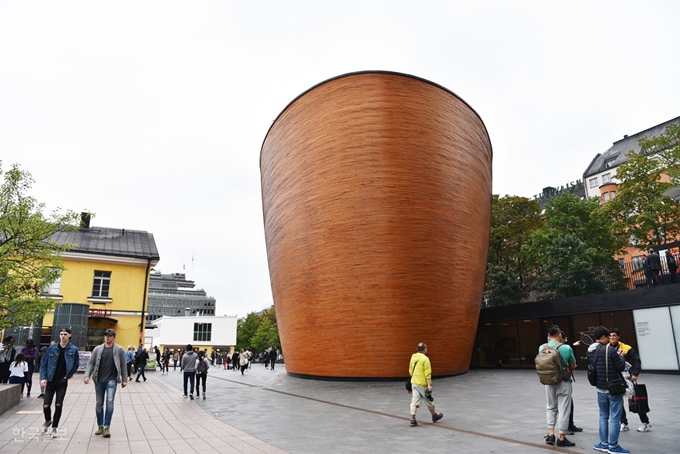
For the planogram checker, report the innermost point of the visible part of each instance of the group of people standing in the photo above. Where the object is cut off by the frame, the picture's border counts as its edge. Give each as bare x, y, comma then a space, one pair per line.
608, 359
18, 368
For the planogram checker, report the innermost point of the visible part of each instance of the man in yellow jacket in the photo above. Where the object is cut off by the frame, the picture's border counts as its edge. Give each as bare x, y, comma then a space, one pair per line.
420, 371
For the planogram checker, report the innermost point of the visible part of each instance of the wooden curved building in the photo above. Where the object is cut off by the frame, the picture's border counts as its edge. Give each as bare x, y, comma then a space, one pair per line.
376, 190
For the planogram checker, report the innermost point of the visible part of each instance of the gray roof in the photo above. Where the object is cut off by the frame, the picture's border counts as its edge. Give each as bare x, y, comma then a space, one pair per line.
108, 241
579, 190
616, 155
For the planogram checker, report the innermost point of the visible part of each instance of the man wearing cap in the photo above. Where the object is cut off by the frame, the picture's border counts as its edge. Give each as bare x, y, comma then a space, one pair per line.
107, 367
58, 365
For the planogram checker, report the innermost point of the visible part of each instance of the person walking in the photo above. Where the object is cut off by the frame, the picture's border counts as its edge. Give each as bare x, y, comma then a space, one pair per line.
140, 362
18, 371
633, 367
558, 396
31, 354
107, 367
235, 361
165, 361
56, 368
420, 371
41, 356
129, 361
272, 357
608, 367
202, 366
189, 367
243, 361
157, 351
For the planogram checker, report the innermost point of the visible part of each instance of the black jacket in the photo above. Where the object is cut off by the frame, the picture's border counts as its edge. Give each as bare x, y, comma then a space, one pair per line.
631, 358
596, 355
653, 262
141, 359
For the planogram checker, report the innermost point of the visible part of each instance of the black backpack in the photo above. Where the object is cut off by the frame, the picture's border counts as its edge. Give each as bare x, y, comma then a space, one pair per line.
202, 366
592, 373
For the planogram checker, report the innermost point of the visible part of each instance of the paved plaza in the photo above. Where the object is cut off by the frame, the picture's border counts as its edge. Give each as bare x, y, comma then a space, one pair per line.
485, 411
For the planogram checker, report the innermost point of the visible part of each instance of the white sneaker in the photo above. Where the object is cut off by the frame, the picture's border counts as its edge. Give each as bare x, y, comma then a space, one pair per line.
645, 427
46, 425
54, 432
624, 427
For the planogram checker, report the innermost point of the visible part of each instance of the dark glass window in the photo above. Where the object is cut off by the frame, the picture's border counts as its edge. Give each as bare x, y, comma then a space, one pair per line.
203, 332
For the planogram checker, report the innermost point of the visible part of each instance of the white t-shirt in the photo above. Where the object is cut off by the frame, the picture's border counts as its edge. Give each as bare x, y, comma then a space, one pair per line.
18, 371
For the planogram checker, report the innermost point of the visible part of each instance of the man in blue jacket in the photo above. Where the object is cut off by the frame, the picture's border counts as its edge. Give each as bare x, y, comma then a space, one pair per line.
608, 367
57, 366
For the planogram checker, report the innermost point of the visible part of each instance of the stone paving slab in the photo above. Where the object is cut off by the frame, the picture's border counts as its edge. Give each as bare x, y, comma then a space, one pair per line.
264, 411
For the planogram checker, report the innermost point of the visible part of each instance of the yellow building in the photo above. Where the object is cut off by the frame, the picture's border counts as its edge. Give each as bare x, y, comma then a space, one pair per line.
104, 285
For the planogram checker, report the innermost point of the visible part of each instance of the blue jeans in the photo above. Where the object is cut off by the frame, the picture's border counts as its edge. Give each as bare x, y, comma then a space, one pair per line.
191, 377
610, 418
102, 388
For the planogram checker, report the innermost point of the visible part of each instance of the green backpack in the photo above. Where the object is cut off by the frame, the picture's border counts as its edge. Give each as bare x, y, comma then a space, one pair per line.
549, 365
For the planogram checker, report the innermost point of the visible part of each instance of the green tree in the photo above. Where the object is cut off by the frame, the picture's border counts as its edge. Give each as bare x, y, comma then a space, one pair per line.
665, 148
574, 253
258, 332
267, 335
645, 216
246, 328
513, 219
29, 260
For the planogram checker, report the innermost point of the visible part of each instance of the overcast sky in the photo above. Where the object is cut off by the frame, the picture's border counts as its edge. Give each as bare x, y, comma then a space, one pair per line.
152, 114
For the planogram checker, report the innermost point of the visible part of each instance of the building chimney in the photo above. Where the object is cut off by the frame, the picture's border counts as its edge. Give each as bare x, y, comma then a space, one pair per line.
85, 220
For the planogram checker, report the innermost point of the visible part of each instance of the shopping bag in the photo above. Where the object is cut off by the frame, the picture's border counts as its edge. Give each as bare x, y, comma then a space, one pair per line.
638, 403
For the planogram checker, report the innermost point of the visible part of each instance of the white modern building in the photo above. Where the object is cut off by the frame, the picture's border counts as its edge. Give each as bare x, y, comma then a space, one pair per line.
203, 332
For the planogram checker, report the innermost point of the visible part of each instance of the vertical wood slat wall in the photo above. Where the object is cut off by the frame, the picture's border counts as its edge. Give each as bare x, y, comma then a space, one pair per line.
376, 191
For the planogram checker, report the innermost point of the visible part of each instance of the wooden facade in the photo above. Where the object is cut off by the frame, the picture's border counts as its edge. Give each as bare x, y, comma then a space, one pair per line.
376, 190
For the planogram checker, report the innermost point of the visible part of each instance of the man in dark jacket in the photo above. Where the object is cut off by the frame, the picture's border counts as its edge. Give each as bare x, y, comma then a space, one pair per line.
633, 359
653, 264
140, 361
608, 366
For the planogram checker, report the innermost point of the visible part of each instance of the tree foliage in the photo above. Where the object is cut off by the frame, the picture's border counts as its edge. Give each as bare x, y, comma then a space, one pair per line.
513, 219
574, 253
258, 332
28, 259
246, 328
641, 209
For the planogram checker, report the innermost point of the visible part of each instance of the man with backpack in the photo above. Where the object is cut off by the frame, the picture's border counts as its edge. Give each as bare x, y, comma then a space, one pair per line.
554, 364
607, 366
